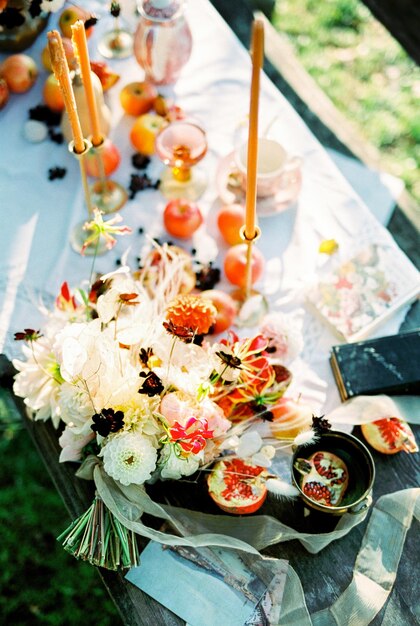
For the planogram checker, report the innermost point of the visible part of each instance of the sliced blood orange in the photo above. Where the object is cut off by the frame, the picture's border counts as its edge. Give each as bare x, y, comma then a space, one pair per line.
237, 486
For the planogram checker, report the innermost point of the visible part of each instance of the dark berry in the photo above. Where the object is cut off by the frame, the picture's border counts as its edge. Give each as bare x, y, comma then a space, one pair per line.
139, 182
115, 9
207, 277
91, 21
42, 113
57, 137
56, 172
140, 161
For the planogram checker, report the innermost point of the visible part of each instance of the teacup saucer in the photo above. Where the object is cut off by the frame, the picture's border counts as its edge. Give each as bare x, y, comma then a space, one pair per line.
230, 190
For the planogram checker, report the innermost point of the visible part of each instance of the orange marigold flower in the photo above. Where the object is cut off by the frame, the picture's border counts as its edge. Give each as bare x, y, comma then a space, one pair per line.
192, 312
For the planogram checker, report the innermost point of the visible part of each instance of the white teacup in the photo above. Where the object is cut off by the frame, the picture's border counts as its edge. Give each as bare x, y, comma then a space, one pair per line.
276, 169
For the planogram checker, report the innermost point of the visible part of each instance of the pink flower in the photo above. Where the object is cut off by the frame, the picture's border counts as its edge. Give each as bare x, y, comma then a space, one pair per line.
192, 437
178, 408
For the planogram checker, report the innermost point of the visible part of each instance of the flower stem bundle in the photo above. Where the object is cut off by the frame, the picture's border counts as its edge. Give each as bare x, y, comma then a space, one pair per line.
98, 537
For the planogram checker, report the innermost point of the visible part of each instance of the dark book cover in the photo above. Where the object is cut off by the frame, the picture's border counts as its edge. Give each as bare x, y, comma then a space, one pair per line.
389, 365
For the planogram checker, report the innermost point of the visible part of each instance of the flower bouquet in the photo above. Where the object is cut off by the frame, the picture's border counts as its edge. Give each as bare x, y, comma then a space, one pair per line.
127, 366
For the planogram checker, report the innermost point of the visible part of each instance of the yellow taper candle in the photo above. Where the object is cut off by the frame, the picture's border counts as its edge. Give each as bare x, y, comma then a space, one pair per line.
257, 53
82, 54
61, 72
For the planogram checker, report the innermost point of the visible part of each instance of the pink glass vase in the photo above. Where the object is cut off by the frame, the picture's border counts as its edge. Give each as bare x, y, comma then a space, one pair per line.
163, 41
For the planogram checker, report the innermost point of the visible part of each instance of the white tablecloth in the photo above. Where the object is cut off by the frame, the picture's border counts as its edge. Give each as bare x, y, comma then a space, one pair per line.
37, 215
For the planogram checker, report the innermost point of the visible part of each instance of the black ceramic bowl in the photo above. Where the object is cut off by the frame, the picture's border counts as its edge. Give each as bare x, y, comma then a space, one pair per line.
359, 464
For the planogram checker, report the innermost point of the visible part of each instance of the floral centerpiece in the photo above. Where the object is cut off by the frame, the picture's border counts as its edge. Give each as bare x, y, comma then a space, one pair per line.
126, 365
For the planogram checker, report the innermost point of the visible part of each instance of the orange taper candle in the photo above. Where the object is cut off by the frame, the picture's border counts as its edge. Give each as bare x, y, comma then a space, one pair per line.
82, 54
257, 53
61, 72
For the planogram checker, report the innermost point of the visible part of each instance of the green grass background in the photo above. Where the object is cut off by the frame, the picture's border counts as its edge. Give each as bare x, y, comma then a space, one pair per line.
364, 71
40, 583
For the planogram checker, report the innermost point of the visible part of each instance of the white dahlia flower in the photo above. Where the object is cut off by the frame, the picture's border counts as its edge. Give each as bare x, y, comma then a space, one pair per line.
129, 458
39, 380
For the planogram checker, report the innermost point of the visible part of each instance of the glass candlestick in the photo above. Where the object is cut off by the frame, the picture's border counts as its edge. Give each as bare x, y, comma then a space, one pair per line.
181, 145
118, 42
107, 195
80, 233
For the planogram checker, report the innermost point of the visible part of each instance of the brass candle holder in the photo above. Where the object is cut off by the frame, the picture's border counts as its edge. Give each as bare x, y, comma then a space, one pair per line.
116, 43
252, 304
80, 233
108, 195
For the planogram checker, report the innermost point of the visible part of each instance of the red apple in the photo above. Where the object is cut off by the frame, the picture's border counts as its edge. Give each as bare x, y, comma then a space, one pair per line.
69, 16
4, 93
20, 72
235, 264
110, 157
226, 309
68, 50
230, 219
182, 218
53, 96
138, 97
144, 131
